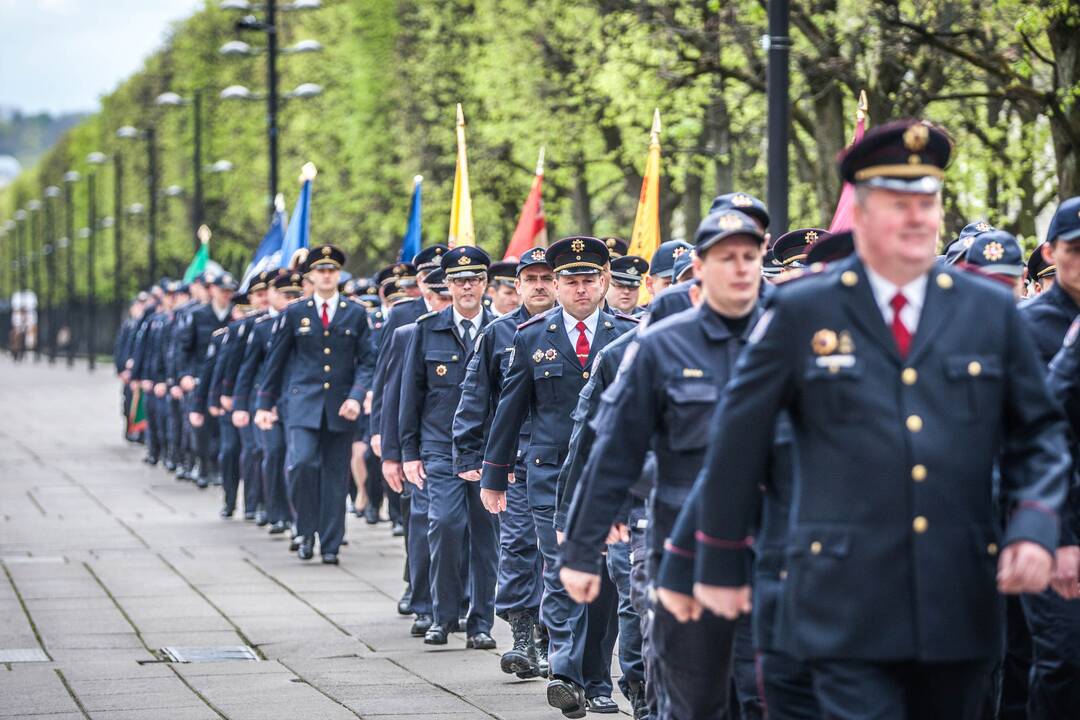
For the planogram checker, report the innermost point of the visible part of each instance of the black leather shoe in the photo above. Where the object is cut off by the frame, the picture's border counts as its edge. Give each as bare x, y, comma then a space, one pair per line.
201, 482
306, 551
371, 514
480, 641
170, 466
398, 530
329, 559
601, 704
260, 518
150, 460
294, 543
404, 605
420, 626
278, 528
436, 635
566, 696
249, 515
226, 512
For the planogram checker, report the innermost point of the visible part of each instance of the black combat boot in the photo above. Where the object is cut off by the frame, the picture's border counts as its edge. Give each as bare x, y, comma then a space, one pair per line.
520, 660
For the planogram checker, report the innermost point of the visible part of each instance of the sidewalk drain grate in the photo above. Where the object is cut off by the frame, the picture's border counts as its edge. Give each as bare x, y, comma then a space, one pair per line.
21, 655
222, 653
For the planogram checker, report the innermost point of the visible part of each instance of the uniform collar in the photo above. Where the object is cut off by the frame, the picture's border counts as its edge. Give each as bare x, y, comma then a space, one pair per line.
570, 322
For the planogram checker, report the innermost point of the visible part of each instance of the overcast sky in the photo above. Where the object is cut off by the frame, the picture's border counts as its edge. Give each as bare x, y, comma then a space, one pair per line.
62, 55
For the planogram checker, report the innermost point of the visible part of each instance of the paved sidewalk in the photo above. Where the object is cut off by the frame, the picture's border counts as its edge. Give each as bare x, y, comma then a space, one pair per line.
104, 561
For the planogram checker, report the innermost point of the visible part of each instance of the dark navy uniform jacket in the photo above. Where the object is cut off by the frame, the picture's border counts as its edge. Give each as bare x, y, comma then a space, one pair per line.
206, 394
232, 353
124, 340
431, 380
481, 390
1048, 316
1064, 382
325, 367
140, 345
195, 337
174, 333
893, 541
543, 383
663, 401
256, 348
395, 354
400, 315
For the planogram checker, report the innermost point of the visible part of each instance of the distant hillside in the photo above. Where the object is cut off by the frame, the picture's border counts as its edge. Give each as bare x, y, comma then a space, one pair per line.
27, 137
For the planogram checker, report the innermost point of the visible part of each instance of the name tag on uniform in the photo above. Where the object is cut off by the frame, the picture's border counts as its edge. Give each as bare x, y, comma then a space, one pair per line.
303, 329
836, 361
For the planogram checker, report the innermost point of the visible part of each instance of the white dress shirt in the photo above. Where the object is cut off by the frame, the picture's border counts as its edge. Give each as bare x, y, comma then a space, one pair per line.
220, 314
570, 323
331, 305
914, 292
474, 321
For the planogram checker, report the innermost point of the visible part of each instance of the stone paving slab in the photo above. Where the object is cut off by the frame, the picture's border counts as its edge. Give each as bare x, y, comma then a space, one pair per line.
103, 561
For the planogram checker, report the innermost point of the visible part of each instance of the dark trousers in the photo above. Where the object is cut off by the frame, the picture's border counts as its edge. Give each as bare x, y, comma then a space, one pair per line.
319, 463
153, 424
228, 458
460, 530
273, 473
629, 623
174, 428
520, 566
373, 485
601, 630
251, 469
862, 690
788, 687
691, 666
564, 619
1054, 622
419, 550
639, 597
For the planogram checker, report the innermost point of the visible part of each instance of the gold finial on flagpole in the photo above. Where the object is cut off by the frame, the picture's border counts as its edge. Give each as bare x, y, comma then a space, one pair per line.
654, 136
308, 172
203, 233
460, 116
863, 110
540, 162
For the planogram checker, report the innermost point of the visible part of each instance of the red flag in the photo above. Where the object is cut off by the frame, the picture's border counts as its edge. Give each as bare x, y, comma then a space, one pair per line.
531, 228
842, 217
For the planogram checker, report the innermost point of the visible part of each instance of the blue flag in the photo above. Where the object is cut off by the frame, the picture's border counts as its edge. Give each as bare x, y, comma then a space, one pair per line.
297, 235
268, 254
410, 244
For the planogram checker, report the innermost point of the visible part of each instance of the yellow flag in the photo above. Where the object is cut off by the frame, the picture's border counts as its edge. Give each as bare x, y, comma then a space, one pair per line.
461, 219
646, 235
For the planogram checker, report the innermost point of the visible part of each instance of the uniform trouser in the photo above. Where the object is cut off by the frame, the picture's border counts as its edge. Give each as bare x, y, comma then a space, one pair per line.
126, 396
159, 423
273, 473
601, 631
174, 428
1054, 622
187, 432
419, 550
319, 465
153, 437
564, 619
228, 458
460, 530
373, 484
639, 595
406, 501
630, 660
864, 690
788, 687
520, 565
251, 469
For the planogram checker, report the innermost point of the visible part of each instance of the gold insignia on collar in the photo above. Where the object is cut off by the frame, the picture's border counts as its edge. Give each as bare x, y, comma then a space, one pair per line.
994, 251
849, 278
305, 321
846, 345
944, 281
464, 260
811, 237
916, 137
440, 370
537, 254
730, 222
982, 227
538, 356
577, 245
741, 200
824, 342
550, 354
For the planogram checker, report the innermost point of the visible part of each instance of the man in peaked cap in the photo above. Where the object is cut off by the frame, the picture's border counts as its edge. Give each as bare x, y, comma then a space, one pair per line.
745, 203
996, 254
1050, 313
617, 247
791, 248
435, 362
548, 368
626, 278
885, 364
325, 343
663, 264
501, 280
957, 249
1040, 273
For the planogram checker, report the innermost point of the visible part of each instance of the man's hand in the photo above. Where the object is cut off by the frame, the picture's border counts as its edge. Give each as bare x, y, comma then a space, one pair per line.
414, 473
683, 608
196, 419
619, 532
727, 602
176, 392
1066, 577
125, 376
264, 419
241, 418
147, 385
350, 409
391, 472
560, 537
367, 402
1024, 567
226, 401
376, 445
215, 411
493, 500
159, 390
470, 475
583, 587
187, 383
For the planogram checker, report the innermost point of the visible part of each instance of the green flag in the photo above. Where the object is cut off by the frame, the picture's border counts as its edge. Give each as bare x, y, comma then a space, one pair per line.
202, 256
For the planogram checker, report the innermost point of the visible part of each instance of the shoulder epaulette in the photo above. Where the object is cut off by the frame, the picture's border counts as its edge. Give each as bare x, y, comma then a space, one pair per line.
537, 318
220, 331
427, 315
263, 318
296, 300
620, 315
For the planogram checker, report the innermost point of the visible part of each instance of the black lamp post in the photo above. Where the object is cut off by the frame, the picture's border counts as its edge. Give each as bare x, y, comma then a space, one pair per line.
68, 243
34, 255
51, 193
95, 159
127, 132
779, 123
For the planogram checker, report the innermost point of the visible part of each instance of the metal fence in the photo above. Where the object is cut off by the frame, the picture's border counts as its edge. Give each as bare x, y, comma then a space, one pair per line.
65, 333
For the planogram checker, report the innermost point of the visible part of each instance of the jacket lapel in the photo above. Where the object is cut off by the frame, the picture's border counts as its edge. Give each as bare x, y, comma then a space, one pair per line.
556, 330
862, 308
936, 310
605, 333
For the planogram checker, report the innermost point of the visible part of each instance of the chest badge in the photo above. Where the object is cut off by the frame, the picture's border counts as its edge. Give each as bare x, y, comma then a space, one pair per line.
824, 342
538, 356
550, 354
846, 345
305, 321
440, 370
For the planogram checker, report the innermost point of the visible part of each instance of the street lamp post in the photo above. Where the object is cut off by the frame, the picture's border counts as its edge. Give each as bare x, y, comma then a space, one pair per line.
33, 210
269, 26
94, 159
68, 243
20, 232
172, 99
779, 121
127, 132
118, 233
51, 193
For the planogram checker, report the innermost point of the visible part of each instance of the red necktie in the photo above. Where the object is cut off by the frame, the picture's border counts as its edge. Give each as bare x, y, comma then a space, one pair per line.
899, 330
582, 348
325, 316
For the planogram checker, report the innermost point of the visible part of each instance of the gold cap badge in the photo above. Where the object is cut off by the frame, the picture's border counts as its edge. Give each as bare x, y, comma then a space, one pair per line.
577, 245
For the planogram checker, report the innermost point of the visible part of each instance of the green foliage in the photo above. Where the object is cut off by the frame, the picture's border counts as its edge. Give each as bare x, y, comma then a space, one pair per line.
581, 78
